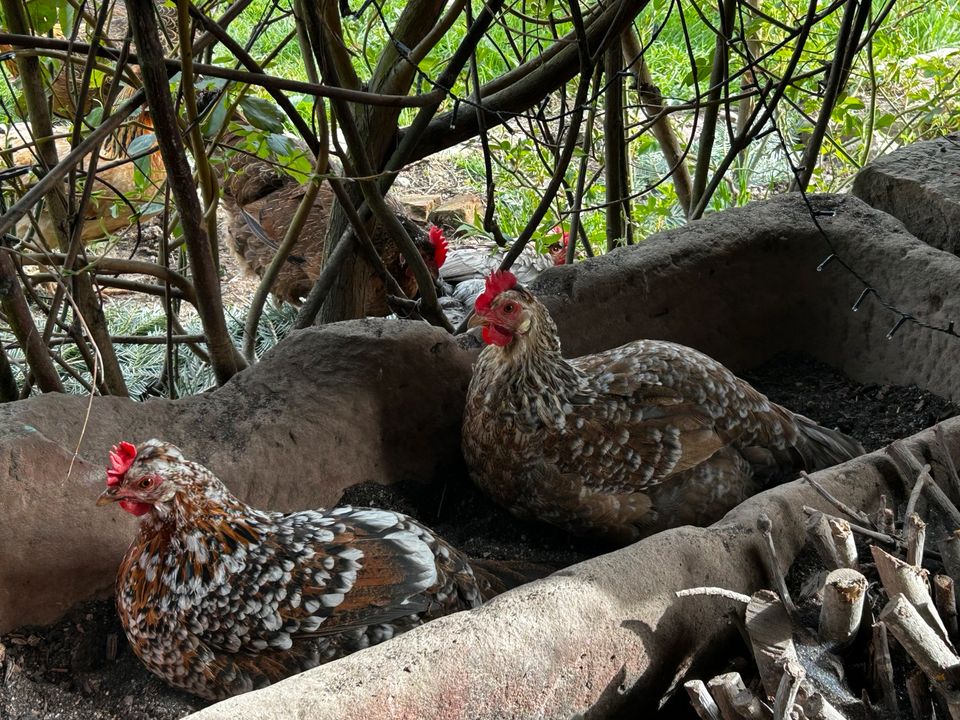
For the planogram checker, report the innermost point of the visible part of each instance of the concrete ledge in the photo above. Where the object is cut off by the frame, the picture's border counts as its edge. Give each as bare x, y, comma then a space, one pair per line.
920, 185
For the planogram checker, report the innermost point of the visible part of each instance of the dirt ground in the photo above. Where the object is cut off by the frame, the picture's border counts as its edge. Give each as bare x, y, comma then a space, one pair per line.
82, 668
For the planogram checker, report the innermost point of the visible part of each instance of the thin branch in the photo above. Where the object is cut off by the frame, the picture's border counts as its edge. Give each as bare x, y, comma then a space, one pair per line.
854, 18
18, 315
263, 80
718, 73
225, 359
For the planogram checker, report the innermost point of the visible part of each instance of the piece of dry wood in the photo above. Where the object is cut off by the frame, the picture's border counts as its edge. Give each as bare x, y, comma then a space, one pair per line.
724, 688
886, 539
945, 600
811, 589
946, 459
950, 552
793, 676
885, 518
858, 515
714, 591
842, 608
772, 563
882, 666
815, 705
900, 578
702, 701
750, 706
818, 533
843, 541
906, 464
922, 643
915, 534
909, 467
771, 639
918, 691
911, 508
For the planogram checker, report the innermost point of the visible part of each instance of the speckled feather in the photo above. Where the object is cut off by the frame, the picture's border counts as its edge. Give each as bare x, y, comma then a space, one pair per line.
219, 598
624, 442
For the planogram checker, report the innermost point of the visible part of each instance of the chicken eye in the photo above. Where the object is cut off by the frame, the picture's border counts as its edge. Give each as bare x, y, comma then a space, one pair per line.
146, 483
509, 308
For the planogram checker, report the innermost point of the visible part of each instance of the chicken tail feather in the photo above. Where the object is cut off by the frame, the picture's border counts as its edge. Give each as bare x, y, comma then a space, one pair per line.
821, 447
498, 576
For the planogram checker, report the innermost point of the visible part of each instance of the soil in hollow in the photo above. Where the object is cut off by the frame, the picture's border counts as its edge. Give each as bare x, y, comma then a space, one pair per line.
82, 668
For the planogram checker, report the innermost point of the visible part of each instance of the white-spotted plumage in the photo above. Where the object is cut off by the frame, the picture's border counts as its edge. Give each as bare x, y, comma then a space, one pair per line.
219, 598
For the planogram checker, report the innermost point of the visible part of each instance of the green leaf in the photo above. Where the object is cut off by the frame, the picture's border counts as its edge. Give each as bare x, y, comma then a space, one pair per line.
44, 14
209, 83
281, 144
215, 119
262, 114
65, 15
94, 116
884, 121
151, 208
141, 143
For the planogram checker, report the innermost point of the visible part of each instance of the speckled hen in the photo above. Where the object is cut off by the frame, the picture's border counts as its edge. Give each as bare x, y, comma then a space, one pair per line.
219, 598
625, 442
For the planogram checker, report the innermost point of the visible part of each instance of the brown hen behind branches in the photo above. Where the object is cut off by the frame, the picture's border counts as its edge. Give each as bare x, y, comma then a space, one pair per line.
625, 442
219, 598
260, 201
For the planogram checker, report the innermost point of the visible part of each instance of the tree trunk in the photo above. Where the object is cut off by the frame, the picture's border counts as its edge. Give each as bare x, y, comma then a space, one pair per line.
393, 75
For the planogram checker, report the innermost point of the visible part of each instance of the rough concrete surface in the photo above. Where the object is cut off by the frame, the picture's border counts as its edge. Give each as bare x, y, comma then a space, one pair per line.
920, 185
742, 285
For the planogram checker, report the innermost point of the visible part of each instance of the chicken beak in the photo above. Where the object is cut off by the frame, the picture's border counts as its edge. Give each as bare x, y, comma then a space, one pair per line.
108, 496
476, 320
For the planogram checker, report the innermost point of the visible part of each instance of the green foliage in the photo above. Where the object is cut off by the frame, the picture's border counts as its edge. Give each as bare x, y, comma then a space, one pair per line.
262, 114
44, 14
143, 365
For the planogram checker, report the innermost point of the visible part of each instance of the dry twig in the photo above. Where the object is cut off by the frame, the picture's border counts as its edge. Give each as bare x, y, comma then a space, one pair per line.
922, 643
858, 515
882, 666
945, 600
915, 534
902, 579
772, 563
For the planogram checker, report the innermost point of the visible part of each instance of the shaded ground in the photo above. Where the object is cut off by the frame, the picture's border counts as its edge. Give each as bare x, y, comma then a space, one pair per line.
874, 414
71, 671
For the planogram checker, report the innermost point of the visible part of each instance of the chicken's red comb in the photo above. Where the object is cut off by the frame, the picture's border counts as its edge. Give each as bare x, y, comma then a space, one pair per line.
121, 458
558, 230
439, 245
497, 282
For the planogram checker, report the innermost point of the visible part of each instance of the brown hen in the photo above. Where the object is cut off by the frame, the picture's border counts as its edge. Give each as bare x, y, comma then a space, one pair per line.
260, 201
622, 443
219, 598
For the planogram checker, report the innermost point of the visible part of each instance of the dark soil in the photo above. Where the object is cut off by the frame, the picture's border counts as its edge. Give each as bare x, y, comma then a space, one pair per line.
876, 415
68, 671
82, 669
